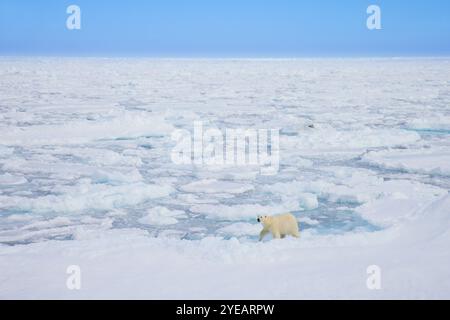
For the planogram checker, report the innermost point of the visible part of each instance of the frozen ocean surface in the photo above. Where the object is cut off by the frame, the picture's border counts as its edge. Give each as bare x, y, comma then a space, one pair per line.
85, 148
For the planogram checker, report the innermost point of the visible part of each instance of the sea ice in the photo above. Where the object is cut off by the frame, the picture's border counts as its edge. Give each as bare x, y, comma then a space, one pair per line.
86, 178
162, 216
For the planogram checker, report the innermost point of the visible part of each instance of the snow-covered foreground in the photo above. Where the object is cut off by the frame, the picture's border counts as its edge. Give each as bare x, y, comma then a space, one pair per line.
86, 178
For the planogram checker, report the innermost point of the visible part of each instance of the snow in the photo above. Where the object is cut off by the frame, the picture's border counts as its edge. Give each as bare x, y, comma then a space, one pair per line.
121, 125
308, 221
86, 195
8, 179
53, 228
241, 212
391, 206
350, 139
315, 267
239, 229
425, 160
437, 121
214, 186
86, 179
162, 216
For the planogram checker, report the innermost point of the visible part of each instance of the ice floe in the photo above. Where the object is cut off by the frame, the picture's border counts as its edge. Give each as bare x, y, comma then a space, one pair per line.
86, 177
435, 161
215, 186
86, 196
162, 216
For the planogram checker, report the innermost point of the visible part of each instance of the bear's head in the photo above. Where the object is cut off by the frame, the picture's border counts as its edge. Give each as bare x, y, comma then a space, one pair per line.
265, 220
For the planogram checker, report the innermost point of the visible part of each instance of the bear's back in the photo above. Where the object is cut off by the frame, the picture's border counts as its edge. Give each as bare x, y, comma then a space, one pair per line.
286, 222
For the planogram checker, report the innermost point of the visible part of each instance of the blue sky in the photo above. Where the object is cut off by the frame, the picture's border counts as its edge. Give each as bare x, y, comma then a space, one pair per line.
225, 28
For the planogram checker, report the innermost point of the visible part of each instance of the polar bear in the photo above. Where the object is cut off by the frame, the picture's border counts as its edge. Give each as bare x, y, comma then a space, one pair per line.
280, 226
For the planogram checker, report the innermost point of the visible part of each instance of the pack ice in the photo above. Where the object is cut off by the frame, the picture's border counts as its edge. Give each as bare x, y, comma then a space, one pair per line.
86, 179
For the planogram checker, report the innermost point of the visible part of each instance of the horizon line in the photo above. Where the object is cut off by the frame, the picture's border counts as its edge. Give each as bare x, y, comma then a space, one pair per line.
229, 57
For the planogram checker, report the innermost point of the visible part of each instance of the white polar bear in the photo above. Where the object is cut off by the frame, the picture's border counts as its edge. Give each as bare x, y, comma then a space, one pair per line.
280, 226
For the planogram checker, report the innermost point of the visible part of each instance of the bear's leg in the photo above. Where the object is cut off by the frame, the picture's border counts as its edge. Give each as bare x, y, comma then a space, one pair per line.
262, 234
276, 235
296, 234
283, 236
